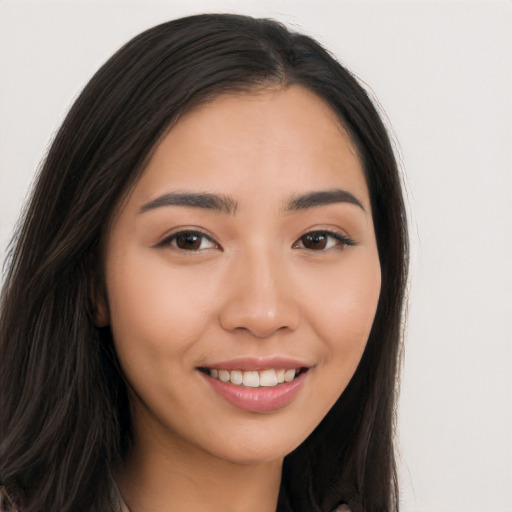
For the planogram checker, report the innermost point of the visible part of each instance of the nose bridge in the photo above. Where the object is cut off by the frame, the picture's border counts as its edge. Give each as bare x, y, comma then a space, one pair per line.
260, 298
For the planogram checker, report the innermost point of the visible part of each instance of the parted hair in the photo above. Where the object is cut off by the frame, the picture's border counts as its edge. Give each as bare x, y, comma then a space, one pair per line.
65, 420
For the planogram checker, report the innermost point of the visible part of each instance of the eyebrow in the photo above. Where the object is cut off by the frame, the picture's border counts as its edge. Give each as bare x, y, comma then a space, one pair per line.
322, 198
226, 204
215, 202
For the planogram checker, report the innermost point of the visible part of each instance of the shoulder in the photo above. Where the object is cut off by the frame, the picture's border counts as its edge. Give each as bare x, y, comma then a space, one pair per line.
6, 503
342, 508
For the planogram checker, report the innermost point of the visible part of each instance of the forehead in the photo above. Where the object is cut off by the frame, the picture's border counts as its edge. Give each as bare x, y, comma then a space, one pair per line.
263, 112
269, 140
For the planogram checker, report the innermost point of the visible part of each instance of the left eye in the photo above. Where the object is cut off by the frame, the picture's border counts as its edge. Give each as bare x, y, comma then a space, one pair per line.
321, 241
189, 241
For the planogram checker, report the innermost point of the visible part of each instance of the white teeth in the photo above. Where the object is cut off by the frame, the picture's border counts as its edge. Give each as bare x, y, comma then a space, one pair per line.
254, 379
268, 378
236, 377
251, 379
224, 375
289, 375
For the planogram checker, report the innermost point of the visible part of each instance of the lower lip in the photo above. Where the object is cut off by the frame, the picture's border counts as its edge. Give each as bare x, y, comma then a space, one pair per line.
258, 399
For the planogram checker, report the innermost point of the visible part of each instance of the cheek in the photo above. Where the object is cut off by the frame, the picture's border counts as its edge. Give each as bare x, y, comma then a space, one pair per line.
154, 312
344, 315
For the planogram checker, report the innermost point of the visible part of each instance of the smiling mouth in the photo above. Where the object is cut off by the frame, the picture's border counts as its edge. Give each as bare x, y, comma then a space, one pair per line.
255, 379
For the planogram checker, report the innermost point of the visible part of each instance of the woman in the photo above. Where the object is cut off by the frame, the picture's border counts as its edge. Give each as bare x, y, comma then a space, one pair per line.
202, 308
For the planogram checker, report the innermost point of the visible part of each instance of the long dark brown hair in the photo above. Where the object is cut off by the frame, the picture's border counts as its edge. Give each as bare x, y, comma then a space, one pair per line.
64, 420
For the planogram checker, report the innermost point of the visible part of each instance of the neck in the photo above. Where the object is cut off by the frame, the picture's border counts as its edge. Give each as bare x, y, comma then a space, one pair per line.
179, 479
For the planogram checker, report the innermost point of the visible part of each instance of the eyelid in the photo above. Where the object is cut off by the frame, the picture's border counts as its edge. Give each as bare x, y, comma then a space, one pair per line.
170, 237
167, 241
344, 240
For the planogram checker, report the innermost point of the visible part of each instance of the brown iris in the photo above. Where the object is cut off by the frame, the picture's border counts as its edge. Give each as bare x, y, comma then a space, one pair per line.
315, 241
189, 241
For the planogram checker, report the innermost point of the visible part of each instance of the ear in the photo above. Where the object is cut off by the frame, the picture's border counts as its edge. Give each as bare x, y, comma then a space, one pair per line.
98, 303
99, 308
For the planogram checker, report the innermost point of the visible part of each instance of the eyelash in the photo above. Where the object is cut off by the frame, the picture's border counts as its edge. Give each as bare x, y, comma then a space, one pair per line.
340, 240
172, 240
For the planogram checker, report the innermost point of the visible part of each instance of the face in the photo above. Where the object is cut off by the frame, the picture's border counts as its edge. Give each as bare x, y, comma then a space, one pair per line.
242, 277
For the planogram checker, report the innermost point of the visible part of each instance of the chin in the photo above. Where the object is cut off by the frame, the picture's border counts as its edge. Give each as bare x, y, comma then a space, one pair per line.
260, 450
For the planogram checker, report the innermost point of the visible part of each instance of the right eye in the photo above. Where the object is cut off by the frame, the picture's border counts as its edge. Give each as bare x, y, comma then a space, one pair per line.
192, 241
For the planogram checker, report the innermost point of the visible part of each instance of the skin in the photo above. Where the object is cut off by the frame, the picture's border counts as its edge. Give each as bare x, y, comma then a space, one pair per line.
255, 286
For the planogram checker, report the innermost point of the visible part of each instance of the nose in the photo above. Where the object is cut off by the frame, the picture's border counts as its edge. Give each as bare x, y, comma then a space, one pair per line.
260, 297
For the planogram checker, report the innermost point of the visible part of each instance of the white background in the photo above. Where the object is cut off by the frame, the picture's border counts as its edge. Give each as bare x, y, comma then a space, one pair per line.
442, 72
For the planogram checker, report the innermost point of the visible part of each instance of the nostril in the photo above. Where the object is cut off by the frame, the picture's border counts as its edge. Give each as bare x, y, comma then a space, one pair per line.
261, 320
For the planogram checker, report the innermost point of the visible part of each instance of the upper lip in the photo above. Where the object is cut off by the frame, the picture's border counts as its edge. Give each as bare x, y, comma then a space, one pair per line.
258, 363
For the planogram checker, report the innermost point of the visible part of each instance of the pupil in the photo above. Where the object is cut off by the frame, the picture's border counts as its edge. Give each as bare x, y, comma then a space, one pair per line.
189, 242
315, 241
